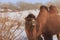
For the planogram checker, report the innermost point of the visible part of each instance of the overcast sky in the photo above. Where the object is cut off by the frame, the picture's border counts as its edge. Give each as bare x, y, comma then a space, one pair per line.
29, 1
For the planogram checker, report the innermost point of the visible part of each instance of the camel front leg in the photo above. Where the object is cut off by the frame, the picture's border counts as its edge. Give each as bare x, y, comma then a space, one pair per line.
47, 36
58, 36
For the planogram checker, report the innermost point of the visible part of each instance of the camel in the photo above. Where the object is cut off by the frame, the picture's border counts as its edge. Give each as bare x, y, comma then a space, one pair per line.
48, 23
30, 27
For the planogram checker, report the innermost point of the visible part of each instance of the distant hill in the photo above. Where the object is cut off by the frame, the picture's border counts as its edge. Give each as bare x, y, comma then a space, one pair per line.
27, 6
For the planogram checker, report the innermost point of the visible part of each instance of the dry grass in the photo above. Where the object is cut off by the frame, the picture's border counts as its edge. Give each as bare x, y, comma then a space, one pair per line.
6, 25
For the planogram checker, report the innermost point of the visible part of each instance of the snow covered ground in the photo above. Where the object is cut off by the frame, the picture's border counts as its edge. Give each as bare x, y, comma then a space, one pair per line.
20, 17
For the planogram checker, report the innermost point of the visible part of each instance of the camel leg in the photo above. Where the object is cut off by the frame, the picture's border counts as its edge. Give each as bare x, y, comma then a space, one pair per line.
47, 36
58, 36
39, 38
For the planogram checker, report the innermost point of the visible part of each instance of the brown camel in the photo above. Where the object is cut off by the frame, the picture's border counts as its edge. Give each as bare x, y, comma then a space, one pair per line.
30, 27
48, 23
